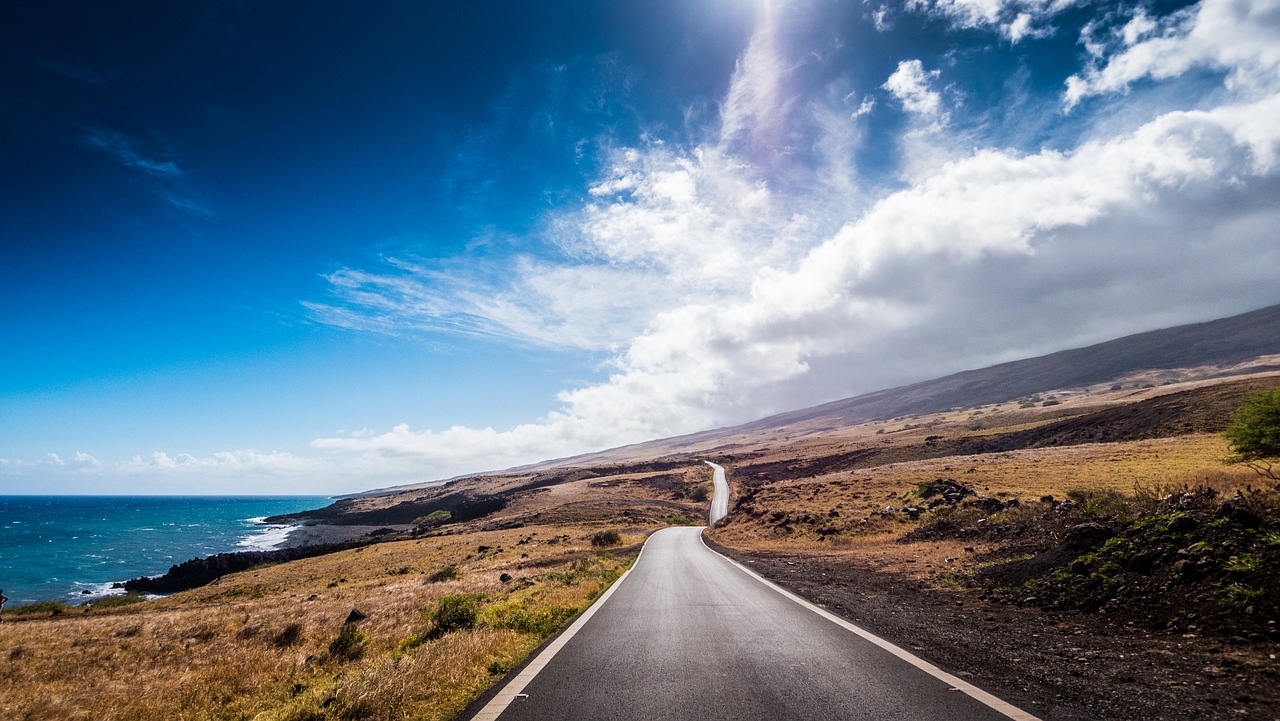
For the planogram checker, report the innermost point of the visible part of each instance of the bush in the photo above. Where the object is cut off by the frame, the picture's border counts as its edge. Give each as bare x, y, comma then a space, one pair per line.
606, 538
699, 493
1254, 432
435, 518
448, 573
455, 613
350, 644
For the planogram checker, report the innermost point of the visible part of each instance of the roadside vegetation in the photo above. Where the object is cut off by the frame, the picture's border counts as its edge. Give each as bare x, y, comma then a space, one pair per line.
1177, 533
405, 630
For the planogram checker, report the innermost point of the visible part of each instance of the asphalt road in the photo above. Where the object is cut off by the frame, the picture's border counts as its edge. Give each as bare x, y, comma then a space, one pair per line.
687, 634
720, 500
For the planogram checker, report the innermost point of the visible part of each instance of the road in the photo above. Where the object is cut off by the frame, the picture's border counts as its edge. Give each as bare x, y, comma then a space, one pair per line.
687, 634
720, 500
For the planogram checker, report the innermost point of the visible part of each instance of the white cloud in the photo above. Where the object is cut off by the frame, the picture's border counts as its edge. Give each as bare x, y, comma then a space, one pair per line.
1238, 37
725, 284
933, 266
1015, 19
910, 84
131, 154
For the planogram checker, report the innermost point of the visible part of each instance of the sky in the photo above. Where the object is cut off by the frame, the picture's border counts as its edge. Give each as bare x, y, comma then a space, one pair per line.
259, 247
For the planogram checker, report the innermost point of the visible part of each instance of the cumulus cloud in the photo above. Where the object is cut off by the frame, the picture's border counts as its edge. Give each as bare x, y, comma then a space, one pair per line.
1238, 37
724, 293
910, 84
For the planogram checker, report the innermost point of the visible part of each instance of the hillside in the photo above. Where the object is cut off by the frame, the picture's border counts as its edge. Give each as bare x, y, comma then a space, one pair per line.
1242, 344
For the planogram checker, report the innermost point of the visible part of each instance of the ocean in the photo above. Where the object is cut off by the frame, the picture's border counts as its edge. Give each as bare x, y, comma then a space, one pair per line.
58, 547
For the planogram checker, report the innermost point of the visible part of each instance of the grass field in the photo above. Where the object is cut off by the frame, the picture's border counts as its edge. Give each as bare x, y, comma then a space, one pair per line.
271, 644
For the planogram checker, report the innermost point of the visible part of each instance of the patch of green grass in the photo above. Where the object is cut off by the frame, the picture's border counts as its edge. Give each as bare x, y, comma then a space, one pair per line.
1238, 595
1107, 503
679, 519
106, 602
53, 608
1243, 563
528, 617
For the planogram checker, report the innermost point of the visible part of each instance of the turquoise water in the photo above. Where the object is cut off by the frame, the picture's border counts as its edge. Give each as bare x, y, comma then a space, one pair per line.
57, 547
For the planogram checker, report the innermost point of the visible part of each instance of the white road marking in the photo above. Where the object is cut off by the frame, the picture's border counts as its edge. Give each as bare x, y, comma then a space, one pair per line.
955, 683
515, 688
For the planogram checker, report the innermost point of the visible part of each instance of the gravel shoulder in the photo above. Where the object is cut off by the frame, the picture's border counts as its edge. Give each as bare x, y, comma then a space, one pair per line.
1057, 665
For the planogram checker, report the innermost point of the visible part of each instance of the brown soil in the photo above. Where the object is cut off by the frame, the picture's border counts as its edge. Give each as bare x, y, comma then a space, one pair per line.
1202, 410
1056, 665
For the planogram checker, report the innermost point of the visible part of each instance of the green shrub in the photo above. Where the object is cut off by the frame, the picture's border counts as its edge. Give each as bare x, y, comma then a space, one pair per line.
679, 519
455, 613
350, 644
1254, 432
435, 518
606, 538
699, 493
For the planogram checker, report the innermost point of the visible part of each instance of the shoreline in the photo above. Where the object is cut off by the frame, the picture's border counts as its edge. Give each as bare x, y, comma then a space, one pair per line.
303, 541
323, 534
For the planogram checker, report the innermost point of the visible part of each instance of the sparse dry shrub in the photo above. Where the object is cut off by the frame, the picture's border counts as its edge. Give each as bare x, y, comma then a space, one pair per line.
290, 635
448, 573
608, 537
1102, 502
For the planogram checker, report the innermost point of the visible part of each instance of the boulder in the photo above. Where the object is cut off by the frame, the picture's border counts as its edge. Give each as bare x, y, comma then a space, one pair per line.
1183, 524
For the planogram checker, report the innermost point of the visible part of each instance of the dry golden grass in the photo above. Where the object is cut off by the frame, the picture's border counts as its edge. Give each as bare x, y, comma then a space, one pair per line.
257, 645
858, 496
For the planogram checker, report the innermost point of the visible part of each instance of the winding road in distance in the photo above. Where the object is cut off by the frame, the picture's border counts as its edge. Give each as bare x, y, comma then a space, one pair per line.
689, 634
719, 501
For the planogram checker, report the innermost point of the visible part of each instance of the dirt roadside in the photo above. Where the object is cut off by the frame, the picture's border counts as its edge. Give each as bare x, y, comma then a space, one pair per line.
1066, 665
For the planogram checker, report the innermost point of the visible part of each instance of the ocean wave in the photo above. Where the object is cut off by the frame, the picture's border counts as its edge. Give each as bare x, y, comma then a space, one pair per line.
267, 539
95, 590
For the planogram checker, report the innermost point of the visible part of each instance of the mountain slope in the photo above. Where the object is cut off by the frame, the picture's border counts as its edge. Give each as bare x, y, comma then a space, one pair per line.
1221, 342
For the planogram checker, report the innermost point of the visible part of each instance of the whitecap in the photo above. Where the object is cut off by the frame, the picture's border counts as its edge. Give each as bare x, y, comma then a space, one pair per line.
95, 590
267, 539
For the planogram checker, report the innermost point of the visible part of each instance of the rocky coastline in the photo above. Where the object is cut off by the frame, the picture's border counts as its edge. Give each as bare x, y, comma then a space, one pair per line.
305, 541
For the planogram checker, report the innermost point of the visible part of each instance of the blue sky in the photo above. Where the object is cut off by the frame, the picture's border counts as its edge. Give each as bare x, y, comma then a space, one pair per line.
285, 248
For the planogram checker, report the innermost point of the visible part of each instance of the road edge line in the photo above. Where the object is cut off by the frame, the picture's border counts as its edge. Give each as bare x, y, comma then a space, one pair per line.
501, 700
994, 702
